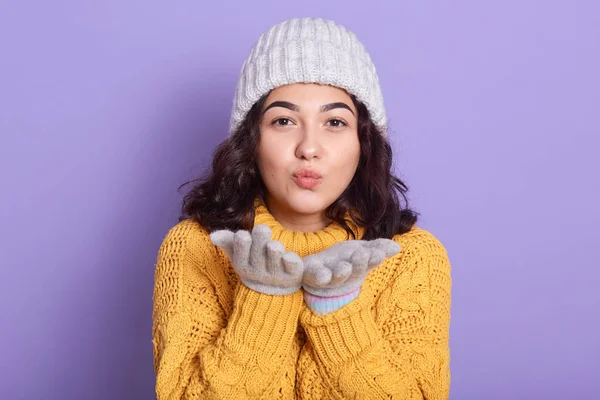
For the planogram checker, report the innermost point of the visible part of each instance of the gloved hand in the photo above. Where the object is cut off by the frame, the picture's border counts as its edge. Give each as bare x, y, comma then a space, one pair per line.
261, 263
343, 267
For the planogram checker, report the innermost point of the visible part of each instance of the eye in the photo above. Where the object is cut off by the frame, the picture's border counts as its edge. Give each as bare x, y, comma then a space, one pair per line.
337, 123
282, 122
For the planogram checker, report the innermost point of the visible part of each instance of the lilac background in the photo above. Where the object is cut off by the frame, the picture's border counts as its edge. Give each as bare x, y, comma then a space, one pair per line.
107, 106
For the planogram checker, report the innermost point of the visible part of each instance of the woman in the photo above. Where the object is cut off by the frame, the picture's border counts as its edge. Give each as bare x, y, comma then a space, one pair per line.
294, 271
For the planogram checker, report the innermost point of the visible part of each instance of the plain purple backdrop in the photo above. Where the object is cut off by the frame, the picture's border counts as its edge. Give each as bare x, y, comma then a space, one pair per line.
106, 107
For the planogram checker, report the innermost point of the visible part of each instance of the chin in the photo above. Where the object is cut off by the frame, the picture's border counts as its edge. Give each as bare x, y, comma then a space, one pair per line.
308, 203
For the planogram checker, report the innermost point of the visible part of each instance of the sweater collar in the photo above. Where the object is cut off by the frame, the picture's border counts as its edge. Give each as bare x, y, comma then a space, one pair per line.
304, 243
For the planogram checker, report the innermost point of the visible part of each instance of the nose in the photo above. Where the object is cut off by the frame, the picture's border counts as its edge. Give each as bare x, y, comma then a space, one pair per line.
309, 144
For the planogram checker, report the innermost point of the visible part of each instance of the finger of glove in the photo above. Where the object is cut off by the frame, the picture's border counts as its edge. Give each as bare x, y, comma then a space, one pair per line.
293, 264
376, 257
242, 242
389, 247
344, 250
340, 271
223, 239
315, 274
380, 250
360, 261
275, 251
261, 235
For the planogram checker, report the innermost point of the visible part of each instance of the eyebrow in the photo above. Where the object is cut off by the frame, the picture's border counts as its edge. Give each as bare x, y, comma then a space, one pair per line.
294, 107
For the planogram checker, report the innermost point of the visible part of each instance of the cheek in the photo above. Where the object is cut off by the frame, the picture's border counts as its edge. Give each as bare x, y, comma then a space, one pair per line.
356, 155
271, 161
348, 158
265, 166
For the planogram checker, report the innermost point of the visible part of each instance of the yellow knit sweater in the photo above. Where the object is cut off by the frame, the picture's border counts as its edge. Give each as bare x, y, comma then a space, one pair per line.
216, 339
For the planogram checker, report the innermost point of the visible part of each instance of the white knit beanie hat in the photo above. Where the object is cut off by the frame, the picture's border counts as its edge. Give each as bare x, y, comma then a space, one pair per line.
308, 50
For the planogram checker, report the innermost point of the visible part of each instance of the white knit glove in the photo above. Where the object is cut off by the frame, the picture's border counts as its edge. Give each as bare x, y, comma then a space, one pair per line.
261, 263
343, 267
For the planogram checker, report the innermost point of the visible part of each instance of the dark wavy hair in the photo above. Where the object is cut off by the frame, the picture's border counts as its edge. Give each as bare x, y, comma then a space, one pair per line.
224, 197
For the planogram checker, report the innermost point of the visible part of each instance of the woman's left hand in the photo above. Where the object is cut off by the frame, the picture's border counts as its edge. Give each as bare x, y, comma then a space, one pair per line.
343, 267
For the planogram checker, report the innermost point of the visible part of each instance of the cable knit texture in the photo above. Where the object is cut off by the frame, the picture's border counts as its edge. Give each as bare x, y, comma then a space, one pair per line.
308, 50
214, 338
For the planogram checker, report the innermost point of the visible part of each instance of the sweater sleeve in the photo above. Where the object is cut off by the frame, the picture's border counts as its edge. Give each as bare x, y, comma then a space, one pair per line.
396, 347
200, 349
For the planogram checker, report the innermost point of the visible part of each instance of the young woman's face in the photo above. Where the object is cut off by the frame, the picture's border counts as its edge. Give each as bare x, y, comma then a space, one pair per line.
309, 149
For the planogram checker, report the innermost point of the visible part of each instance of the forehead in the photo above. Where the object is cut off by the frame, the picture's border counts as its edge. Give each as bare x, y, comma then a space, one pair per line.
309, 95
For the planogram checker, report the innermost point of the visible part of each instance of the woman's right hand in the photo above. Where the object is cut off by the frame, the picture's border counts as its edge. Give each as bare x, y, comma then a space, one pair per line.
261, 263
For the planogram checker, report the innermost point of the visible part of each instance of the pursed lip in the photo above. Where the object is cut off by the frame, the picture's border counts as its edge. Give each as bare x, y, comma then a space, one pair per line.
307, 178
307, 173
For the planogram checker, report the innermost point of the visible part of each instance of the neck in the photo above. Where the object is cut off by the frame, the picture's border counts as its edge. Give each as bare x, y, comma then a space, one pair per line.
295, 221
